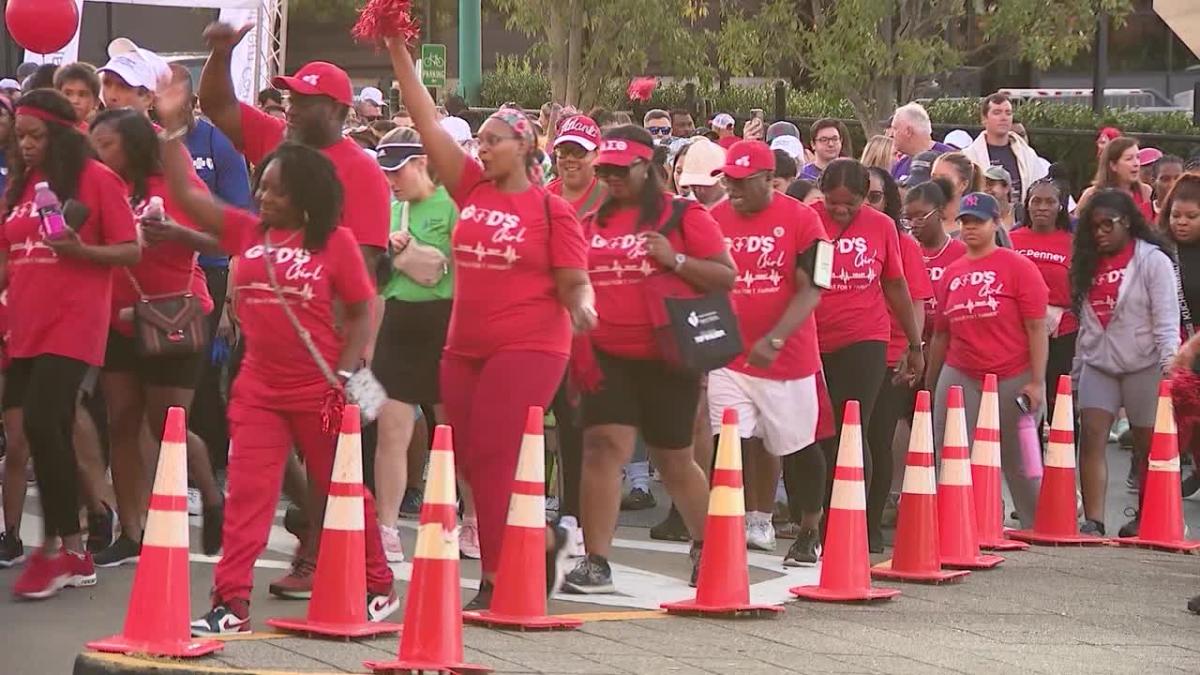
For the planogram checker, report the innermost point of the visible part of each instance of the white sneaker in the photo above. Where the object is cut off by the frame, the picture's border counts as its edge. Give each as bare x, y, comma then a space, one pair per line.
194, 503
393, 548
575, 547
760, 535
468, 539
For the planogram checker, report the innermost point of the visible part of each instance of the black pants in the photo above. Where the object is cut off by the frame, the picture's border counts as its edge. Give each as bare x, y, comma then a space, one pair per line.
894, 403
804, 478
570, 451
1058, 363
208, 416
853, 373
46, 388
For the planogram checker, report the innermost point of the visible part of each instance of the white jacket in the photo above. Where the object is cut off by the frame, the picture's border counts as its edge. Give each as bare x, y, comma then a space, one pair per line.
1030, 166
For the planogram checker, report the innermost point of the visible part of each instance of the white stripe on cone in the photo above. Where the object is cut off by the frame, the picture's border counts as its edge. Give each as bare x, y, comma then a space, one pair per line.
1164, 418
170, 479
166, 529
920, 480
439, 483
731, 461
726, 501
344, 514
527, 511
434, 542
531, 463
956, 472
1058, 454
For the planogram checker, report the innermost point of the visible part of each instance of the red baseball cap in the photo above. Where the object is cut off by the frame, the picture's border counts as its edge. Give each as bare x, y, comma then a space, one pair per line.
621, 152
746, 158
579, 129
318, 78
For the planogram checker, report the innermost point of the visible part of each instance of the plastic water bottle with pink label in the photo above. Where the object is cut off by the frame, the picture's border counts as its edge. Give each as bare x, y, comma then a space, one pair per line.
1029, 434
54, 224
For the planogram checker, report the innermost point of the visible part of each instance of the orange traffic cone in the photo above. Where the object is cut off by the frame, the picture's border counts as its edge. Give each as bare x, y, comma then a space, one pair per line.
519, 600
723, 586
338, 605
1162, 503
1055, 521
985, 474
957, 539
845, 569
432, 637
157, 621
916, 556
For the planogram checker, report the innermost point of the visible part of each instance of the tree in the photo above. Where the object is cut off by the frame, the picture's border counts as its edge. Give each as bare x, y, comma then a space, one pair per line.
587, 44
872, 51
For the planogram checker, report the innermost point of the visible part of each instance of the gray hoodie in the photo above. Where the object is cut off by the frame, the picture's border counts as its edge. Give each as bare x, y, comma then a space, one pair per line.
1144, 330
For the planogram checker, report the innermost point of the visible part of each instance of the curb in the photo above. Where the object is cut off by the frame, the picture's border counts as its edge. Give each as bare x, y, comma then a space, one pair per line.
92, 663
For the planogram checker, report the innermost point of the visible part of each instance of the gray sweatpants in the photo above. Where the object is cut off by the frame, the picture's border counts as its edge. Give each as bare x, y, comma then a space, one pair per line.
1024, 490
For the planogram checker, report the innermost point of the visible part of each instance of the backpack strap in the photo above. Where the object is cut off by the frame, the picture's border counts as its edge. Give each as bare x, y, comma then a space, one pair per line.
675, 221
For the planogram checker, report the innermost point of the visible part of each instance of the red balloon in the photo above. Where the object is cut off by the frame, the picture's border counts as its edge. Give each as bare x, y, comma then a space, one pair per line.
42, 26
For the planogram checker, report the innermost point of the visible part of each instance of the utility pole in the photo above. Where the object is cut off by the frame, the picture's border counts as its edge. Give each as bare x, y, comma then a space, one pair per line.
470, 62
1100, 66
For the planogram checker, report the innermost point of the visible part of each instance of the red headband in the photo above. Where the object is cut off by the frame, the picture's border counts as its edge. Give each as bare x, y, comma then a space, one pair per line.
43, 115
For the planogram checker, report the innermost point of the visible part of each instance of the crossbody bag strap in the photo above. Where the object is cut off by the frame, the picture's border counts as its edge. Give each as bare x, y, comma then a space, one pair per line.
1185, 312
137, 288
305, 336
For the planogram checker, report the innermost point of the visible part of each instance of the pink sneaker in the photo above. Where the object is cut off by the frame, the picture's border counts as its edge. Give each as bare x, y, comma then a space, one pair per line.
468, 539
42, 578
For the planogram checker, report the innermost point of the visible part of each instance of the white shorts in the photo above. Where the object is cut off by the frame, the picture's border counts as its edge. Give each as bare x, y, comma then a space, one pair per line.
783, 413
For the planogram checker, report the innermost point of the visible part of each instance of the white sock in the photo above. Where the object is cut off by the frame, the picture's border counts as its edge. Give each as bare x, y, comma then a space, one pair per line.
638, 474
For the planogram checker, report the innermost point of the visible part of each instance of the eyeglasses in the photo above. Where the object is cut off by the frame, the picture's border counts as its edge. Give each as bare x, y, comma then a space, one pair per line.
907, 223
489, 140
1109, 224
875, 197
570, 151
609, 171
828, 140
659, 131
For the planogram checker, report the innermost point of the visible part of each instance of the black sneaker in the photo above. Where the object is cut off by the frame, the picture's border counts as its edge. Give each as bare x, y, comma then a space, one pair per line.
296, 522
12, 551
556, 560
694, 554
410, 505
1194, 604
1191, 484
1130, 529
805, 551
102, 529
210, 533
123, 550
482, 599
226, 618
671, 528
638, 500
591, 575
1092, 528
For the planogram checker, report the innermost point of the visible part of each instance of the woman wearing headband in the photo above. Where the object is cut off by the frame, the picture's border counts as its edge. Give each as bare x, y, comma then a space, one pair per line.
59, 281
520, 285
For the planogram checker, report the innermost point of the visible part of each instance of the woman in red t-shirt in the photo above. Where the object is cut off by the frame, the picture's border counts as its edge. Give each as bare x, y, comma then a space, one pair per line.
1119, 168
992, 320
295, 267
574, 160
520, 284
59, 286
1126, 294
853, 319
630, 387
136, 387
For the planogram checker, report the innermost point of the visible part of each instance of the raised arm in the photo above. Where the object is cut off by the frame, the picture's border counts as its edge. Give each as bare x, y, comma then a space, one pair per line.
218, 99
446, 156
197, 204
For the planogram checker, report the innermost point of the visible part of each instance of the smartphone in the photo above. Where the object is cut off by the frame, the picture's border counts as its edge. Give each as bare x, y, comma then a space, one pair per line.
1024, 404
756, 113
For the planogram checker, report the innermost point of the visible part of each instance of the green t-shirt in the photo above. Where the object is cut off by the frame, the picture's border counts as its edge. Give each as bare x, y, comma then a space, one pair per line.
430, 222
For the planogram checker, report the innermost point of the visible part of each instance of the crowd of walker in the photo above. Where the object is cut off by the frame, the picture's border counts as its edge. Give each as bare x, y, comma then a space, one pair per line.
268, 267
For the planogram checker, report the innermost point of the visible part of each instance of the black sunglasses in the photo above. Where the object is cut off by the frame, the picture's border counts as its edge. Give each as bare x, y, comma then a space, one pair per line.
611, 171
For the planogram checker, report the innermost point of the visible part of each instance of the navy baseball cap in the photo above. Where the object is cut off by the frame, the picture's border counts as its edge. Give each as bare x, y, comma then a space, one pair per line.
979, 205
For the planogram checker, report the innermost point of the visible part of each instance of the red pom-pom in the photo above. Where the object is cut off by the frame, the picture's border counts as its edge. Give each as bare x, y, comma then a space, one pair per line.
1185, 396
382, 19
641, 88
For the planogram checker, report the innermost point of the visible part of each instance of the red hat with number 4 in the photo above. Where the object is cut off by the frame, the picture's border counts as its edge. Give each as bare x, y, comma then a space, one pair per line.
746, 158
318, 78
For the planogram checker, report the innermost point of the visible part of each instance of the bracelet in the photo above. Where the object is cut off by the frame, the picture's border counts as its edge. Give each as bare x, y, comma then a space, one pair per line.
168, 136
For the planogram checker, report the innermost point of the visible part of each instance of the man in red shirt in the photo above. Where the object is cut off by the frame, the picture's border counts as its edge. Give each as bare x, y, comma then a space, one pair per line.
775, 385
321, 97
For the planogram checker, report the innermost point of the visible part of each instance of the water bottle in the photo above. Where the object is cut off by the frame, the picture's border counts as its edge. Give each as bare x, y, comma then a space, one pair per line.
154, 211
54, 225
1031, 446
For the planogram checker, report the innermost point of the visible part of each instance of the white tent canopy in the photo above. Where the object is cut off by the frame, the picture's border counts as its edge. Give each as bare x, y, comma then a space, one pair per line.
1183, 18
202, 4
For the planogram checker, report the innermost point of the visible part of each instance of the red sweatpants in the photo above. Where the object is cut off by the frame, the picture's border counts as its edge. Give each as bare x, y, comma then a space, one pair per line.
261, 440
486, 402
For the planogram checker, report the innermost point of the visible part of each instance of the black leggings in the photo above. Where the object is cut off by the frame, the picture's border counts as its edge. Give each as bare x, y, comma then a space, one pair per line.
853, 373
804, 479
207, 418
895, 402
1059, 361
570, 451
46, 388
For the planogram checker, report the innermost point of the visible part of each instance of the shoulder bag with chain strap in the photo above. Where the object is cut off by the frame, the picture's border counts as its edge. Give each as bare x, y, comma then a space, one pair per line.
172, 324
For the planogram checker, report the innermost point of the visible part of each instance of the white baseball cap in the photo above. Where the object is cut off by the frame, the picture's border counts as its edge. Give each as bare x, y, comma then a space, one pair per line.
702, 159
371, 95
9, 83
136, 66
722, 121
458, 128
958, 139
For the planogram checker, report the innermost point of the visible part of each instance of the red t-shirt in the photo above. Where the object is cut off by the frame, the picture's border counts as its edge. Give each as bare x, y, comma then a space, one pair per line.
505, 254
366, 198
920, 289
1110, 272
765, 246
1051, 253
61, 305
165, 268
617, 265
936, 262
984, 305
582, 206
278, 370
854, 309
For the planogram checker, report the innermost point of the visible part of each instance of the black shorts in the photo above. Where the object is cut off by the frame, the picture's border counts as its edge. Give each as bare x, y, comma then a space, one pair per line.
408, 352
659, 400
19, 372
181, 372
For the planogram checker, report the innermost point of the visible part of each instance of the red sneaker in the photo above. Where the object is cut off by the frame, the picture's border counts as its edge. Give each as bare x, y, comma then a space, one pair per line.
298, 583
42, 578
79, 569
